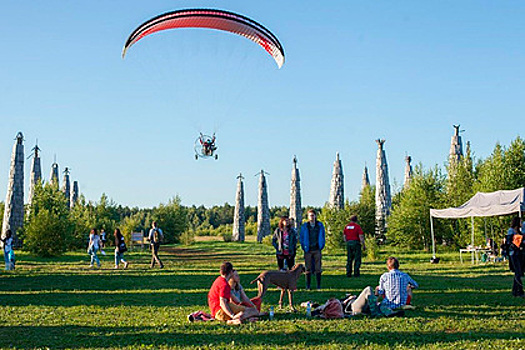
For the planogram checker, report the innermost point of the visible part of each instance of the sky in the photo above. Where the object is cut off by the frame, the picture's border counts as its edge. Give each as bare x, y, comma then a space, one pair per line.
355, 71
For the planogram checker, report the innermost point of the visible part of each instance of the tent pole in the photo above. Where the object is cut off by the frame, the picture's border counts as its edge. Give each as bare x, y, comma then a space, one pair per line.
486, 237
432, 235
472, 238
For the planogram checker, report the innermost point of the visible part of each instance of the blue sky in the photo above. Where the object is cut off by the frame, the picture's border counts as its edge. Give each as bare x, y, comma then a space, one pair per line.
355, 71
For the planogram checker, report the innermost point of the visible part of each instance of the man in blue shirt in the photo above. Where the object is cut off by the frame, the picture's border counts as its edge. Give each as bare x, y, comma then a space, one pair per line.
394, 286
312, 239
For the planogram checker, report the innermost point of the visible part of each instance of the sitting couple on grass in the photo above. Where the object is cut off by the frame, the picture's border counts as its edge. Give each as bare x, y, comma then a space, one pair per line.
395, 287
227, 299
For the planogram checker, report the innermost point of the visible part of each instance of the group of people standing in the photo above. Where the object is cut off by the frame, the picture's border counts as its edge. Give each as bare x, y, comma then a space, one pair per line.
312, 240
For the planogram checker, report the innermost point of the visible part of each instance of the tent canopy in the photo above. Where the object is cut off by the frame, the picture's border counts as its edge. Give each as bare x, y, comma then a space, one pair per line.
486, 204
482, 204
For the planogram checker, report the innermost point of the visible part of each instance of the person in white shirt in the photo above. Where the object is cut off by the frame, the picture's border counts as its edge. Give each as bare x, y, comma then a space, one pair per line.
93, 247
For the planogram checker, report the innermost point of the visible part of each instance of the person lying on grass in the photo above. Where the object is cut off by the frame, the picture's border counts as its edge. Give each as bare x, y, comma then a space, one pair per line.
219, 299
394, 286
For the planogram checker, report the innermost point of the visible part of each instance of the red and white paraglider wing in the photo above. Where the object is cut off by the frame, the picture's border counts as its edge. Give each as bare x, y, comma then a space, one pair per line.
212, 19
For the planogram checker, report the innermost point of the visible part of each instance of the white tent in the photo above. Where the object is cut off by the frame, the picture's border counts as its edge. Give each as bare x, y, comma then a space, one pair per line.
482, 204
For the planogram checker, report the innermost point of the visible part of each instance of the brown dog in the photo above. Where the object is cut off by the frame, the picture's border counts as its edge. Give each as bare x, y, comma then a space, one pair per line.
286, 280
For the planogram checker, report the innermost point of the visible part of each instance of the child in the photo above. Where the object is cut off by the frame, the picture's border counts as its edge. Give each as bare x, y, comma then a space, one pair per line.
9, 254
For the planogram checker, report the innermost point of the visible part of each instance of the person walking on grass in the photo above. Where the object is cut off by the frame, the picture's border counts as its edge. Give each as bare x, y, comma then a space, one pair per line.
515, 246
312, 238
155, 238
219, 299
120, 248
103, 240
9, 254
93, 247
285, 243
355, 243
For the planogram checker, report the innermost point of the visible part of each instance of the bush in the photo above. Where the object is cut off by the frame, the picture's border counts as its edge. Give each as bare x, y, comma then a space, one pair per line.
267, 240
372, 248
48, 229
46, 234
172, 218
227, 237
187, 237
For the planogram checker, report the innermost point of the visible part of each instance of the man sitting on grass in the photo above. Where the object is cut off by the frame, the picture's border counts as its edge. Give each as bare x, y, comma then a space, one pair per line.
395, 287
219, 299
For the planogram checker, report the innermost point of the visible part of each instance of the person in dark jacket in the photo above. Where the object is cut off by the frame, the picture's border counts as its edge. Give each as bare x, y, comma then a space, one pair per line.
155, 237
312, 238
516, 245
285, 243
120, 248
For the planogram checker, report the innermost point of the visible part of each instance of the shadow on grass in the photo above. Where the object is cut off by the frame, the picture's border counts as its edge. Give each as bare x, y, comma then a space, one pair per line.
217, 334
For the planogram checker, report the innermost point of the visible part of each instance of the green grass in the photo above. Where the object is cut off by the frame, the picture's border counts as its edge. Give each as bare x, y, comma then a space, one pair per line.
61, 303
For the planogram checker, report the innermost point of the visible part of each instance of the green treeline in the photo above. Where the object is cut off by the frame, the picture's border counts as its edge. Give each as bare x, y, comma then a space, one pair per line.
51, 228
409, 222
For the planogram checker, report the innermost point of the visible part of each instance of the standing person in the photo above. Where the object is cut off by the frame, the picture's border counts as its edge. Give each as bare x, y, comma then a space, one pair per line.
285, 242
103, 240
93, 247
155, 237
120, 248
312, 238
515, 243
355, 242
219, 299
9, 255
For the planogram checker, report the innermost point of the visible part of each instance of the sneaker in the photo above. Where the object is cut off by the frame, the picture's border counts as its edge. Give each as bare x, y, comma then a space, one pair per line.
126, 265
90, 266
407, 307
191, 318
116, 267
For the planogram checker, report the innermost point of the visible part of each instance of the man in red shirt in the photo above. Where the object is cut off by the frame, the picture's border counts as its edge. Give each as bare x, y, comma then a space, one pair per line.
219, 299
355, 241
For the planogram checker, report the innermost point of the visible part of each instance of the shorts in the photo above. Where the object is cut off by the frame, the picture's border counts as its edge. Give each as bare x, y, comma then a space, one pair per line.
221, 315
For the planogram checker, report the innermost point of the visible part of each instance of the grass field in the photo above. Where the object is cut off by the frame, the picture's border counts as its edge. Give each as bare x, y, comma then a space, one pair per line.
61, 303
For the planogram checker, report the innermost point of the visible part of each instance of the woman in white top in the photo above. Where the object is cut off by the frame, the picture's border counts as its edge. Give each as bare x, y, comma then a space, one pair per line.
8, 250
93, 247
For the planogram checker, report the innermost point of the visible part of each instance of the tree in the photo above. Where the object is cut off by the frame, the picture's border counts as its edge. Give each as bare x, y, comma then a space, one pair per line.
48, 228
336, 219
409, 222
172, 218
491, 171
514, 164
459, 189
132, 223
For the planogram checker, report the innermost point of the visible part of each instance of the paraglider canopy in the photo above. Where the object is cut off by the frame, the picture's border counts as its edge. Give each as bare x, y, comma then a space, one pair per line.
213, 19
